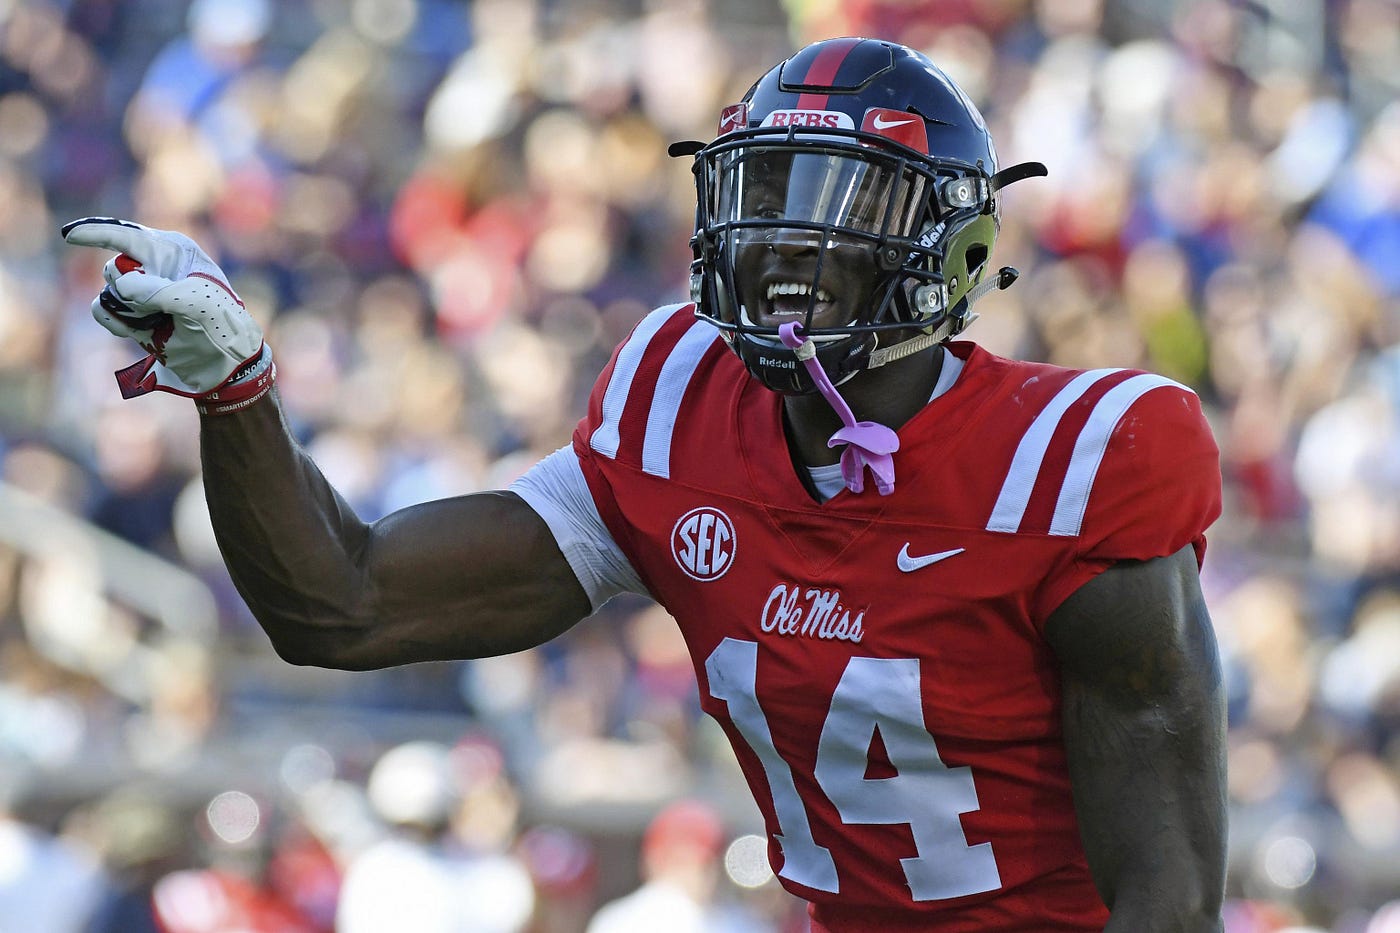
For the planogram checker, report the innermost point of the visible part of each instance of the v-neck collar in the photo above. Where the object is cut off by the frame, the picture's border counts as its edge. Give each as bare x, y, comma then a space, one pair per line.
774, 478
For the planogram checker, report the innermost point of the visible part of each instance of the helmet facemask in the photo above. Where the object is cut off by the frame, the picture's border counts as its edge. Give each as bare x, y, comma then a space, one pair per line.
839, 230
846, 213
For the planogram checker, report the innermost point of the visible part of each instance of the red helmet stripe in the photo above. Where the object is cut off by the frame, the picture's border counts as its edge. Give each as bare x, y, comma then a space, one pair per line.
823, 71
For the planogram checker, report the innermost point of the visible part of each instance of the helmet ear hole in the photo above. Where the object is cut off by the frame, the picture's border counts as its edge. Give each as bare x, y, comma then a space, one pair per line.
974, 258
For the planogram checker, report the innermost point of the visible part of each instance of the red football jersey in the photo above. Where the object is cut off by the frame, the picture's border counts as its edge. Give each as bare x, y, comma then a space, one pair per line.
878, 661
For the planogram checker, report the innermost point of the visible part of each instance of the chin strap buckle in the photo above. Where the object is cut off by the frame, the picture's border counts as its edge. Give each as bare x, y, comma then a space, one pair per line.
949, 325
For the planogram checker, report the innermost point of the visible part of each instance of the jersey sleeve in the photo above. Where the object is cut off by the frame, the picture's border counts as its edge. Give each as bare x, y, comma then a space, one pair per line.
569, 490
556, 489
1146, 487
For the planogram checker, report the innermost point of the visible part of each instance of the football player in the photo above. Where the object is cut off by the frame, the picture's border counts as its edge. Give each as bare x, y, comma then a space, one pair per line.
945, 605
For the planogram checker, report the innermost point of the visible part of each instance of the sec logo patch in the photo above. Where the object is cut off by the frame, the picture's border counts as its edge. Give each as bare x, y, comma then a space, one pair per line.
703, 543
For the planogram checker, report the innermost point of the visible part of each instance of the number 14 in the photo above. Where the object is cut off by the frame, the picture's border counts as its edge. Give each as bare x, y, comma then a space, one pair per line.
925, 794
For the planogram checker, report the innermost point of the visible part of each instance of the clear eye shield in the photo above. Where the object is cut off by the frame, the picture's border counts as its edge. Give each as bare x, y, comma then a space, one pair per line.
815, 189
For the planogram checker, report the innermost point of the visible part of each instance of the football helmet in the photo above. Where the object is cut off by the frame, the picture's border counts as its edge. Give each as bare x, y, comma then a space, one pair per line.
853, 189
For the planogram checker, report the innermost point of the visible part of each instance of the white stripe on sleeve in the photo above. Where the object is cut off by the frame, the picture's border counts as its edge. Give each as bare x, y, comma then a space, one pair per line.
1030, 453
670, 390
556, 489
1090, 446
605, 438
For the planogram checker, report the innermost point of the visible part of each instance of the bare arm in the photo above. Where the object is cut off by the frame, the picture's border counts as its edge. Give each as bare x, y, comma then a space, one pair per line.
468, 577
1144, 722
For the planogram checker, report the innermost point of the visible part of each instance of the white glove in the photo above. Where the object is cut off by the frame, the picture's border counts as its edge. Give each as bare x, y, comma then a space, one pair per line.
165, 293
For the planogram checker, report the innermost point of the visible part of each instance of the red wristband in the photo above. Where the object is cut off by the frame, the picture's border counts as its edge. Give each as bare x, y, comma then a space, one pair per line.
242, 390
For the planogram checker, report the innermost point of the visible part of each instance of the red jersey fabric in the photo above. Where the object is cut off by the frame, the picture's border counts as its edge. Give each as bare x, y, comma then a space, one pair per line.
878, 662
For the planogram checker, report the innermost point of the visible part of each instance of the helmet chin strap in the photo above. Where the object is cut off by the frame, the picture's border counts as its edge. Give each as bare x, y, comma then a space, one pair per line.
867, 443
908, 347
951, 324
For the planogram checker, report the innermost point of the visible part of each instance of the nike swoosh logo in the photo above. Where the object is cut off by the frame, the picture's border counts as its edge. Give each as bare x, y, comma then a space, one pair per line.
910, 564
880, 123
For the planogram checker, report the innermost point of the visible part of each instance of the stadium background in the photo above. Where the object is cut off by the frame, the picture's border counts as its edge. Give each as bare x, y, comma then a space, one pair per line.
445, 215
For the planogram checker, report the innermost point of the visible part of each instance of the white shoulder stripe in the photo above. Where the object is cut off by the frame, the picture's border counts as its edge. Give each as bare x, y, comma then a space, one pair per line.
1090, 446
1030, 453
670, 390
605, 438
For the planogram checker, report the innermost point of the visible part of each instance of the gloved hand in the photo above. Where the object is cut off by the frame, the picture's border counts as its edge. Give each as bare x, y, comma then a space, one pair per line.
165, 293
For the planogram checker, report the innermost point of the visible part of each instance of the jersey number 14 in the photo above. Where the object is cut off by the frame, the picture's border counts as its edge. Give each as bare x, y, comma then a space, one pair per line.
925, 794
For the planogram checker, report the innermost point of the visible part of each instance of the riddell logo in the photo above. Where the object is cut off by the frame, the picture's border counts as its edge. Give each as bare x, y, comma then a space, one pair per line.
819, 119
703, 543
931, 236
776, 364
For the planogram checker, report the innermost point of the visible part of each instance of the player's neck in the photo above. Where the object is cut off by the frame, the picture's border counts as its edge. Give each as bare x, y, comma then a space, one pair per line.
890, 395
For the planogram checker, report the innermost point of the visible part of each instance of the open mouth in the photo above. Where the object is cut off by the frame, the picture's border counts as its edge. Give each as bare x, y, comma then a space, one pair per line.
792, 299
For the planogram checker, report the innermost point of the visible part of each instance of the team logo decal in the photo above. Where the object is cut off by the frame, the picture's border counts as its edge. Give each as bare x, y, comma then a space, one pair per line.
900, 125
820, 119
703, 543
734, 117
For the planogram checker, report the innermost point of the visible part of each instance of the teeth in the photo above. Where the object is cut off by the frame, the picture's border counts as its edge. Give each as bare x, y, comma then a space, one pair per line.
796, 288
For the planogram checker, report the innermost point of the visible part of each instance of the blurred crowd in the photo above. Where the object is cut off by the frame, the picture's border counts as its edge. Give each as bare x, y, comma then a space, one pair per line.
445, 215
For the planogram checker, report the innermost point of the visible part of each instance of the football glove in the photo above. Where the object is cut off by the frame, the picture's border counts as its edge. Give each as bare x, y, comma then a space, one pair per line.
165, 293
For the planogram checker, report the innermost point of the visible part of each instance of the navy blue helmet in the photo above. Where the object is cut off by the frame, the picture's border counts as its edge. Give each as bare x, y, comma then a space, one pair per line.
875, 179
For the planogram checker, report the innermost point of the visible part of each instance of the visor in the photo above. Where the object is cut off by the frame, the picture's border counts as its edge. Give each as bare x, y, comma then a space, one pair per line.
813, 187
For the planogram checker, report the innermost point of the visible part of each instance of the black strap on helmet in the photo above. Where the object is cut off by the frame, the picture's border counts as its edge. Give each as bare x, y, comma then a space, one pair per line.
1010, 174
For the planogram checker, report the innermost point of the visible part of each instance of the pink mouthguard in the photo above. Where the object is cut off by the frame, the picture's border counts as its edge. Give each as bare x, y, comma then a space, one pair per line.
867, 444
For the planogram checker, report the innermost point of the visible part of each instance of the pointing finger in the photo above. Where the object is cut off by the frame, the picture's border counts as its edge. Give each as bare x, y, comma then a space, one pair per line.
108, 233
